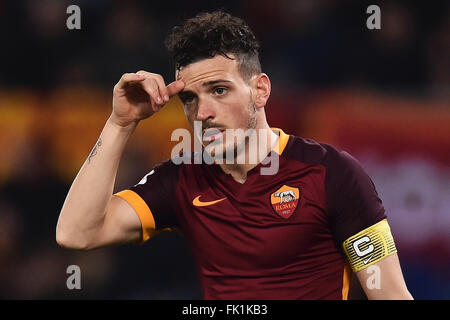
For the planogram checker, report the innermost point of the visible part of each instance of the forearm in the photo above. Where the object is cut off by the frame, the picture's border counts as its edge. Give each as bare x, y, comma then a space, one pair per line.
384, 280
83, 212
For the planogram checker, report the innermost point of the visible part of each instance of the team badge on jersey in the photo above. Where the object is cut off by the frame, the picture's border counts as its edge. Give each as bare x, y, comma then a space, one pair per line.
285, 200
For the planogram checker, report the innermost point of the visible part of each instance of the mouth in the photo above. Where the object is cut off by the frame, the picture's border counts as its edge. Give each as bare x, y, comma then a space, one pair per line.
211, 134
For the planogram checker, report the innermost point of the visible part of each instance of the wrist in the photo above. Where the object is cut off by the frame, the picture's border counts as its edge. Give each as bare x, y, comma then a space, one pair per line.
124, 127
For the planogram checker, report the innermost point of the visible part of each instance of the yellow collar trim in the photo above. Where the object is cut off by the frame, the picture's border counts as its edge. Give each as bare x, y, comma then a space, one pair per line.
282, 141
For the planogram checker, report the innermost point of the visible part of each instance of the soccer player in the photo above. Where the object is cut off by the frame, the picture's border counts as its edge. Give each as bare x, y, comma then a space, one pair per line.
297, 233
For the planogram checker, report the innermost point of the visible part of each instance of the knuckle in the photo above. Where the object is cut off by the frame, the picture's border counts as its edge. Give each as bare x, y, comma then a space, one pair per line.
155, 76
153, 82
152, 91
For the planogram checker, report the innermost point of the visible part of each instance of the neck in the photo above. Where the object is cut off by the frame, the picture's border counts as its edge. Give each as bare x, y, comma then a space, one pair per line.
266, 139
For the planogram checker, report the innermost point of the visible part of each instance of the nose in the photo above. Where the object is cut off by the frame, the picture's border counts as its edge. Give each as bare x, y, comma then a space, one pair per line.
205, 110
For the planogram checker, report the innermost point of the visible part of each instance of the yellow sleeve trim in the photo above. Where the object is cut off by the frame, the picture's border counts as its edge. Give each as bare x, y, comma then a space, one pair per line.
346, 281
369, 246
143, 211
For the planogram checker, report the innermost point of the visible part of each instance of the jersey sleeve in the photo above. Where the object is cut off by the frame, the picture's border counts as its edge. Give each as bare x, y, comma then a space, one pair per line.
153, 199
357, 215
352, 199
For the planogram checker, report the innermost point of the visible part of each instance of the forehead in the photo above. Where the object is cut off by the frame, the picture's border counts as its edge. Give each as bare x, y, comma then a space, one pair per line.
208, 70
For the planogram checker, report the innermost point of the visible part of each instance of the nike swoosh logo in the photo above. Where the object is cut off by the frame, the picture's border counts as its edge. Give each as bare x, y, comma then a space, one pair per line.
196, 202
366, 261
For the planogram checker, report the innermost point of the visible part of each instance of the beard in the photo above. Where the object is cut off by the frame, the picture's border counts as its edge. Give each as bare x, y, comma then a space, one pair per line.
251, 120
239, 146
228, 147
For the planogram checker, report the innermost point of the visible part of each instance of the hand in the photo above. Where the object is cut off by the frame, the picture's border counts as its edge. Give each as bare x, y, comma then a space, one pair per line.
139, 95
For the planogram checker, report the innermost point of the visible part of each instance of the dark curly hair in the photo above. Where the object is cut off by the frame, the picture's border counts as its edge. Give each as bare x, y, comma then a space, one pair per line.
209, 34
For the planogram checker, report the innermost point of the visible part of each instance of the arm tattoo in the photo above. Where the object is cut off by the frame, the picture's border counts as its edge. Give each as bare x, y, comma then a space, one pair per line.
94, 151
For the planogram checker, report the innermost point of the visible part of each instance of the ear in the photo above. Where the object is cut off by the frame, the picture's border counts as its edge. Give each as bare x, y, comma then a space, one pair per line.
261, 90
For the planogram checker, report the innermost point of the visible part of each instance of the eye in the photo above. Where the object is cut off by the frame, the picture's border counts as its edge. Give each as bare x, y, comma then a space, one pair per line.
220, 90
188, 99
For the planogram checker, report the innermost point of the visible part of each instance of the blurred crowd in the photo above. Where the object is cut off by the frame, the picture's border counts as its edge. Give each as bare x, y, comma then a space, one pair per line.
305, 43
306, 46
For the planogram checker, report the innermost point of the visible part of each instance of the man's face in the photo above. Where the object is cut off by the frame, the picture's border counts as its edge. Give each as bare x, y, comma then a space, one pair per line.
216, 94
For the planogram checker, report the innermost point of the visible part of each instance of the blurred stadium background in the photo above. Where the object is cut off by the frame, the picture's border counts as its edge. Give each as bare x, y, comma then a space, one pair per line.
382, 95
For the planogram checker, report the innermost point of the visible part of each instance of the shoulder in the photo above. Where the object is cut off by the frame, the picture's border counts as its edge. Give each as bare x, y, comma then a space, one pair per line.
177, 162
310, 151
162, 173
341, 167
352, 200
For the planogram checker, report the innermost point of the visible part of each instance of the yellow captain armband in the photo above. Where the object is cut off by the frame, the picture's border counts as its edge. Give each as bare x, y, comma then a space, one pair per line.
369, 246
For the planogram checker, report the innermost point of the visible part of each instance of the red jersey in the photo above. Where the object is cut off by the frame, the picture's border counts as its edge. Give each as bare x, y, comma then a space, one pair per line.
273, 237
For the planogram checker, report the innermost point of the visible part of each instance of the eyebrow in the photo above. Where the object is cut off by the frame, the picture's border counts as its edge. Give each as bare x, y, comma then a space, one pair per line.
204, 84
210, 83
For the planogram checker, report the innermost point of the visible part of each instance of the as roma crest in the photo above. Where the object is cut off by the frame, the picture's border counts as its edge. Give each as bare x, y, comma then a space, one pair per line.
285, 200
